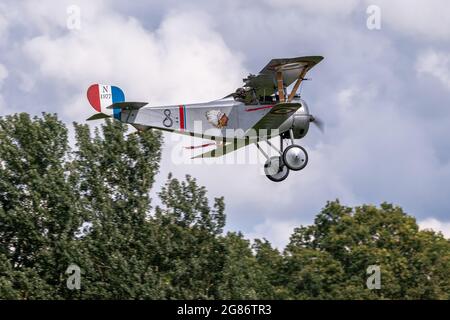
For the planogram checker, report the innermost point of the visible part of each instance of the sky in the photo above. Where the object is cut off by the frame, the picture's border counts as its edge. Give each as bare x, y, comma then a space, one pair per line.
383, 91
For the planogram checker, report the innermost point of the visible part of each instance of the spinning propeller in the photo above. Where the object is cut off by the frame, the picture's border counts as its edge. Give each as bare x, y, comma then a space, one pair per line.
318, 123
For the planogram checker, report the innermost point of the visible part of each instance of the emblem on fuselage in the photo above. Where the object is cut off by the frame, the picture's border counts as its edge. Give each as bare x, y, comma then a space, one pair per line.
217, 118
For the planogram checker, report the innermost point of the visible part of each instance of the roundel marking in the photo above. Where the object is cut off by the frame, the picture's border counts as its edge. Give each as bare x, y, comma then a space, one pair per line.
284, 110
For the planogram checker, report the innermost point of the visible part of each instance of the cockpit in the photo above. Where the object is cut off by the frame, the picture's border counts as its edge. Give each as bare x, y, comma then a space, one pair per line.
248, 96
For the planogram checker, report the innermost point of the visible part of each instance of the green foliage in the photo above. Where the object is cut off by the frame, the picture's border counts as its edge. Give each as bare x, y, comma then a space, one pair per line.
188, 253
414, 264
37, 213
115, 173
241, 275
91, 206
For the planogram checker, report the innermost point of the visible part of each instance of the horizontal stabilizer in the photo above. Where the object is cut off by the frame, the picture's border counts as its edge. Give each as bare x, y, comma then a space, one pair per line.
127, 105
98, 116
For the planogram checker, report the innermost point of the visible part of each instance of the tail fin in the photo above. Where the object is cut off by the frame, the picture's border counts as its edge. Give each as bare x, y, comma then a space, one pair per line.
101, 97
109, 101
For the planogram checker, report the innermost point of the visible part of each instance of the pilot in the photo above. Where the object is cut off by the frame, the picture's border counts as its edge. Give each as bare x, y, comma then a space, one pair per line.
240, 94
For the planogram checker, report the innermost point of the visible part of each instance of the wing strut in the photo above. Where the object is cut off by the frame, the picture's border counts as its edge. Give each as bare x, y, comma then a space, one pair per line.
280, 85
297, 84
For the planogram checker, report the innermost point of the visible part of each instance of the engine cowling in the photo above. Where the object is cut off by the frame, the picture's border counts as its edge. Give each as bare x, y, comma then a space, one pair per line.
298, 122
300, 125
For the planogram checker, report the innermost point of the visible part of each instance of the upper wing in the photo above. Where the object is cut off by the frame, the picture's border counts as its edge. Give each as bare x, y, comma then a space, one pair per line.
265, 83
276, 116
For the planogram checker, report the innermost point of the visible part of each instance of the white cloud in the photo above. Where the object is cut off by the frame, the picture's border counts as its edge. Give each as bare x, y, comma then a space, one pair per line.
277, 231
378, 144
436, 64
3, 26
3, 74
184, 59
426, 19
436, 225
5, 23
330, 8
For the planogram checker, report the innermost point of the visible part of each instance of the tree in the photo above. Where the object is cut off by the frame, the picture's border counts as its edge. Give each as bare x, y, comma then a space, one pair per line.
189, 255
37, 212
91, 206
241, 276
270, 262
116, 172
413, 263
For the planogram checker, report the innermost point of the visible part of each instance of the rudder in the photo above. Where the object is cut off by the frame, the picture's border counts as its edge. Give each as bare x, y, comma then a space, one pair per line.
102, 96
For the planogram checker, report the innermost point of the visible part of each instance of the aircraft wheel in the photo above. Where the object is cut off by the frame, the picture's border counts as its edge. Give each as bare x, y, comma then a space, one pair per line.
275, 169
295, 157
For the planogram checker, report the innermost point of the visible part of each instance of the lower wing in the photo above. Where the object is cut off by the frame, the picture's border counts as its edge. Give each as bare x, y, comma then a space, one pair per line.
223, 149
277, 115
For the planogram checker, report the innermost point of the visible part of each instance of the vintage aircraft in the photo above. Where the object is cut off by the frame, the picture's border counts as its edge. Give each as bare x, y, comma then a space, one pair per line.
259, 111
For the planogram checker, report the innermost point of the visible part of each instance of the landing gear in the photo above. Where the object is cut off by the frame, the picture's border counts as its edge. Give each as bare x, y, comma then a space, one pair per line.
275, 169
295, 157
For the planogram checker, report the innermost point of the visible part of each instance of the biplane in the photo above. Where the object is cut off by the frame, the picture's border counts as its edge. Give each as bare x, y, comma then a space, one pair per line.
258, 111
